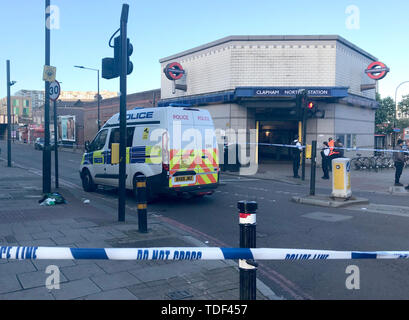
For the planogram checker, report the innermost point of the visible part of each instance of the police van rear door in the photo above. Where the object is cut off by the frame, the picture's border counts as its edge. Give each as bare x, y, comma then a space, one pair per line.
189, 162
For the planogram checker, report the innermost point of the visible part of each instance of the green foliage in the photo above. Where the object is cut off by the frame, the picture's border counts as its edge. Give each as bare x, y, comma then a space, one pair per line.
404, 105
385, 115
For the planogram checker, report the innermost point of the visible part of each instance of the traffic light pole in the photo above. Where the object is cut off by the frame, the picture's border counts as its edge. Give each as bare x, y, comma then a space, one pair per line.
122, 113
46, 150
8, 116
304, 142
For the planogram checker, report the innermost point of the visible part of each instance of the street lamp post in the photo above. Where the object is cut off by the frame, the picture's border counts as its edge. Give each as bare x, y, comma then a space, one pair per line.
98, 97
396, 107
9, 84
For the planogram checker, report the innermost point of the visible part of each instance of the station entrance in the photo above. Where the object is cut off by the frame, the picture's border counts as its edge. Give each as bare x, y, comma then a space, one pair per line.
275, 132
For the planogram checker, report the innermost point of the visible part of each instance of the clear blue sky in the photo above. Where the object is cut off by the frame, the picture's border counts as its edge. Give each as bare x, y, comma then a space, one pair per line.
159, 28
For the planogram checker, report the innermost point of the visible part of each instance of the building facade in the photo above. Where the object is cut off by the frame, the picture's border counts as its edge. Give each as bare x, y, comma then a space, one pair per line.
37, 97
251, 82
109, 107
21, 109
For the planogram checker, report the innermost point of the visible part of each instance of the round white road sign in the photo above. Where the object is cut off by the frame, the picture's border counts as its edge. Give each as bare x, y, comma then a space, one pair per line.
55, 90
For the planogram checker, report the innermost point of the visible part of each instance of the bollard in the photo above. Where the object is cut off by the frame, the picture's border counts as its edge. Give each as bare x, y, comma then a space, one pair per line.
248, 268
142, 204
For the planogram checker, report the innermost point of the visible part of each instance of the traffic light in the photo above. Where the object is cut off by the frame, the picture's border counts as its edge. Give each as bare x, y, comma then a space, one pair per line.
117, 54
129, 51
111, 67
301, 100
312, 109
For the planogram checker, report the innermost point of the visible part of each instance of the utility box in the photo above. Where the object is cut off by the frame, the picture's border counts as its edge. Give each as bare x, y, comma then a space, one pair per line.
341, 178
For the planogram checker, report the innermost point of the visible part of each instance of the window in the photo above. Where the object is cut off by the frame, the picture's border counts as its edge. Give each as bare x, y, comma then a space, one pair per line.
26, 103
99, 142
15, 103
114, 136
348, 140
25, 111
16, 110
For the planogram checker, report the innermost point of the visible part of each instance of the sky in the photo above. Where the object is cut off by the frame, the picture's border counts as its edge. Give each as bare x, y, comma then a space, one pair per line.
160, 28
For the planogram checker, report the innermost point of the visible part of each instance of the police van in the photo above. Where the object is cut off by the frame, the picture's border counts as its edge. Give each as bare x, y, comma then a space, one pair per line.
175, 148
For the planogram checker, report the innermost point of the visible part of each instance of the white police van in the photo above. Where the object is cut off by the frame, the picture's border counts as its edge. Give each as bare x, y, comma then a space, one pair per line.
175, 148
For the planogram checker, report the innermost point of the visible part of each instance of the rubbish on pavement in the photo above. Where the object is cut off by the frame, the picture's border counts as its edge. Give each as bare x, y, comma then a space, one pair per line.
50, 199
86, 201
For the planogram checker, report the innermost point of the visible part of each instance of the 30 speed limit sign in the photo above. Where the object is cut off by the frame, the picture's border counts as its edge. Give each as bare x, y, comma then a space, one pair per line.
54, 90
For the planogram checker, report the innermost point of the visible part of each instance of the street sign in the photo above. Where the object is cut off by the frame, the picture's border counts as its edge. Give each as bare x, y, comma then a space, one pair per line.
174, 71
49, 73
396, 130
377, 70
55, 90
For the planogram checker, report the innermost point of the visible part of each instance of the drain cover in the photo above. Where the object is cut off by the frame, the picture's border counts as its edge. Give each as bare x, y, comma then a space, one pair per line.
178, 295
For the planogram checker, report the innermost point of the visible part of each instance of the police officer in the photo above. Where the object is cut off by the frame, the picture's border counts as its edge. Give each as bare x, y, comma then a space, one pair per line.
399, 159
296, 152
333, 153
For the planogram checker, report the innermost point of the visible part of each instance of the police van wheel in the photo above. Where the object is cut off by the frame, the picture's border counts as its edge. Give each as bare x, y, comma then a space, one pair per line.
87, 183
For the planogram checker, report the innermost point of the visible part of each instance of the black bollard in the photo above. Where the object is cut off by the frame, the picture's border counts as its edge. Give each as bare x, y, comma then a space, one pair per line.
248, 267
142, 204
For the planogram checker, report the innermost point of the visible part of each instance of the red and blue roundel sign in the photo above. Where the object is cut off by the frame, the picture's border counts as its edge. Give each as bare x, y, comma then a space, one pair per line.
174, 71
377, 70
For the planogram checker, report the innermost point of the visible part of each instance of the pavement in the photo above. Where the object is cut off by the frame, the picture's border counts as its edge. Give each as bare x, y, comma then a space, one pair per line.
23, 222
379, 181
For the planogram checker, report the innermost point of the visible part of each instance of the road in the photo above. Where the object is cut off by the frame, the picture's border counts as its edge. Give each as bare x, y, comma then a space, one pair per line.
280, 224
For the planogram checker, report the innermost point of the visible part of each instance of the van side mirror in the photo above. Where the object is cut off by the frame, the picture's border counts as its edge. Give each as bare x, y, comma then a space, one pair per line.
87, 146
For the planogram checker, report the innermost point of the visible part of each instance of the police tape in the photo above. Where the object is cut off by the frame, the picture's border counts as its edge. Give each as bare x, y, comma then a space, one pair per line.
335, 148
189, 253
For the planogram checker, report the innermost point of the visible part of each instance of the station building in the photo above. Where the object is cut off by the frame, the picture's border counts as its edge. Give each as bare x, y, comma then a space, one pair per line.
251, 82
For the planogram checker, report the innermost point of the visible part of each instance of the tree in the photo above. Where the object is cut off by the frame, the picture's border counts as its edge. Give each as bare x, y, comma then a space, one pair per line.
404, 106
384, 115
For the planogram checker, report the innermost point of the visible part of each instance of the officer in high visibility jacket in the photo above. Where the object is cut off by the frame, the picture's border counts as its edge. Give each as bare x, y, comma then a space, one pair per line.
333, 153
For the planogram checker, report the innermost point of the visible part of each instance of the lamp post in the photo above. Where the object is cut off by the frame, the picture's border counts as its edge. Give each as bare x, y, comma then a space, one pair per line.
98, 98
9, 84
396, 107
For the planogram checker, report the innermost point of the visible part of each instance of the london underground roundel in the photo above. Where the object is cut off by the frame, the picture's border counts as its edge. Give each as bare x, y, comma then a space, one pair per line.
174, 71
377, 70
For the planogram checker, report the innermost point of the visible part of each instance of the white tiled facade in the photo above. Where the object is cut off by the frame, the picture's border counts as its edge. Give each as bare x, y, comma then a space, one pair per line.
274, 61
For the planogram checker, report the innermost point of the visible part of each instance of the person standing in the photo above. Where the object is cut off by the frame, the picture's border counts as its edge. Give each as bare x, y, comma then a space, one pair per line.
399, 159
340, 148
324, 157
331, 144
296, 156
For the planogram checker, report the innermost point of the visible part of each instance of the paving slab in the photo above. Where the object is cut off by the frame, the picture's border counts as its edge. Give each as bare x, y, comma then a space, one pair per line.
36, 279
115, 280
75, 289
82, 271
36, 293
328, 201
117, 294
